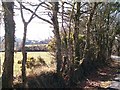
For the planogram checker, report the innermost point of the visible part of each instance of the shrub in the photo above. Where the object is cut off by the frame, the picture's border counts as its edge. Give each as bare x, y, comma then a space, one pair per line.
41, 61
30, 62
19, 62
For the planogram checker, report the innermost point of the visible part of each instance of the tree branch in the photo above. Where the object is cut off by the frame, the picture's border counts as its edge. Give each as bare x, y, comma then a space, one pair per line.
32, 16
21, 11
37, 15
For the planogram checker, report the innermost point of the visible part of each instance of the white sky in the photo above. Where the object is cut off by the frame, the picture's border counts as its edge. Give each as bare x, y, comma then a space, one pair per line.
37, 29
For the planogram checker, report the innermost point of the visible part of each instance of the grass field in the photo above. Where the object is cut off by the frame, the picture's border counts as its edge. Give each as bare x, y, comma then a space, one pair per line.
18, 56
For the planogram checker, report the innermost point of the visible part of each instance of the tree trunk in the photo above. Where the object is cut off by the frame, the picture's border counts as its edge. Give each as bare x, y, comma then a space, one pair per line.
76, 35
57, 36
118, 49
89, 24
7, 76
76, 46
87, 61
24, 53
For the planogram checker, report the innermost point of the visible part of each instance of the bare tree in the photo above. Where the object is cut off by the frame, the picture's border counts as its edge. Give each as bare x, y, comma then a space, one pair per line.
24, 53
88, 35
55, 24
7, 76
76, 34
57, 36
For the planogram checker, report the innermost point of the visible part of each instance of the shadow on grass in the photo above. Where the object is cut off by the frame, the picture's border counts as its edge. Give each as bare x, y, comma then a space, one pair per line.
44, 80
98, 80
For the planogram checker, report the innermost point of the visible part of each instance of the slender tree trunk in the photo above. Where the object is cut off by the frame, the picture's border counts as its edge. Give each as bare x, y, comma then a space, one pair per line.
76, 45
7, 76
87, 61
87, 56
24, 53
65, 45
118, 49
76, 35
70, 47
57, 36
89, 24
108, 40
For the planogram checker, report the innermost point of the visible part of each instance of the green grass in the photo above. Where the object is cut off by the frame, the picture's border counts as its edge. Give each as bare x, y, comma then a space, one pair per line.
18, 56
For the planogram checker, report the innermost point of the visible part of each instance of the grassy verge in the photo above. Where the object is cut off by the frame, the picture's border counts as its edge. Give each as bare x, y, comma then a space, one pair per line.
18, 56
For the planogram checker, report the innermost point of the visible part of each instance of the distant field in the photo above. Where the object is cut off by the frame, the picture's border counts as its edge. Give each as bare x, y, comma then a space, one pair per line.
36, 45
18, 56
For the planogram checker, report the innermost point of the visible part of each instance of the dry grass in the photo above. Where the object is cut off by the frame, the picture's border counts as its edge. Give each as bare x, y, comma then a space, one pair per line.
18, 56
42, 69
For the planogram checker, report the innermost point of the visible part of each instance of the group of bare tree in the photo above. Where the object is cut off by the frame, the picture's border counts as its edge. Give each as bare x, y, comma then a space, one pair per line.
87, 35
84, 34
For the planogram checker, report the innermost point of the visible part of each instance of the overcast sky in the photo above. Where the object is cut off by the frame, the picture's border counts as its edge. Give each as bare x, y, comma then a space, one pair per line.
37, 29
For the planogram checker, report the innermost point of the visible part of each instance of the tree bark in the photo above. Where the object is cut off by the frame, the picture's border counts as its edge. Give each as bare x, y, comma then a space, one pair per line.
89, 24
7, 76
87, 61
76, 35
118, 49
76, 45
24, 53
57, 36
